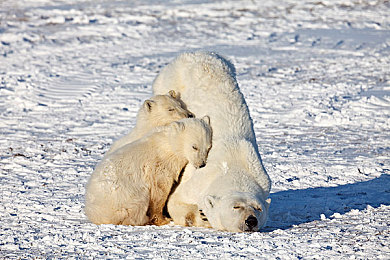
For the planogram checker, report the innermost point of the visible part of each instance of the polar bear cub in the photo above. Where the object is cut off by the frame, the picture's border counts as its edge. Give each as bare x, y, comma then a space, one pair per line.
156, 111
131, 185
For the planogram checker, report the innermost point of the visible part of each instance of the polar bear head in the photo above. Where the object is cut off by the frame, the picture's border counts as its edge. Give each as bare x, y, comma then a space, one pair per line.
192, 138
163, 109
238, 212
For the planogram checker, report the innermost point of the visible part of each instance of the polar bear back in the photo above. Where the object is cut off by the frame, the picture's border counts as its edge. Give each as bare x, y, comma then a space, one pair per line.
207, 84
207, 76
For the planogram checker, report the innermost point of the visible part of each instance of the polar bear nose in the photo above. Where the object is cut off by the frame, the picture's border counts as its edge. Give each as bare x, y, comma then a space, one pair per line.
202, 165
190, 115
251, 221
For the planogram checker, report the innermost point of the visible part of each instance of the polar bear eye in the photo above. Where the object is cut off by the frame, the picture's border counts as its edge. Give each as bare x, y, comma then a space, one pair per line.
195, 147
259, 209
171, 109
236, 207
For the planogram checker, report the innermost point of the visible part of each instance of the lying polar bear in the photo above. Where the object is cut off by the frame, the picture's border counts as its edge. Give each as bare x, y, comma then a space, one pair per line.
231, 191
131, 185
156, 111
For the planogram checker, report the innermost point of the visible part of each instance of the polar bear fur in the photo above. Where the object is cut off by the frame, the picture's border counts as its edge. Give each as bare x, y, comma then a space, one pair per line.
231, 191
131, 185
156, 111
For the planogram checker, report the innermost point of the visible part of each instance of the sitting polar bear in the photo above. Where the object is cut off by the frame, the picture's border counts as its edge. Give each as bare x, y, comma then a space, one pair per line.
157, 111
131, 185
231, 191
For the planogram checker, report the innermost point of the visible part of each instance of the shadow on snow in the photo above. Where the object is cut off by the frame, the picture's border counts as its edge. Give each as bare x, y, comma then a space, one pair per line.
294, 207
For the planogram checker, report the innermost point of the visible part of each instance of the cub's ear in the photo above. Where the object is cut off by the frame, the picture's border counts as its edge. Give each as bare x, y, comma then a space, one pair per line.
206, 119
148, 104
174, 94
210, 201
267, 203
178, 126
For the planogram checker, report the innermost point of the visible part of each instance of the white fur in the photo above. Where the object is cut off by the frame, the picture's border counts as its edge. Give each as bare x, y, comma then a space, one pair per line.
131, 185
234, 173
156, 111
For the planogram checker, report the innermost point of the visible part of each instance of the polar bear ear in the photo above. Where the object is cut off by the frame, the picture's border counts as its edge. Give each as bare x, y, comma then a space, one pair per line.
267, 203
174, 94
210, 201
148, 104
206, 119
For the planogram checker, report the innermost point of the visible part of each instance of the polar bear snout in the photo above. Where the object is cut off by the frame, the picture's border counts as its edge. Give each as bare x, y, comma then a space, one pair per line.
184, 113
202, 164
251, 222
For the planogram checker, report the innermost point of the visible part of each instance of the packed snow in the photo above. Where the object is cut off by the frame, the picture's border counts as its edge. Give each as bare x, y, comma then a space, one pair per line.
315, 75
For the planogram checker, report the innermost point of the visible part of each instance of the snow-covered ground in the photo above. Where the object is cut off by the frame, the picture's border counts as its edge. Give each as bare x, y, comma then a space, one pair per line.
316, 77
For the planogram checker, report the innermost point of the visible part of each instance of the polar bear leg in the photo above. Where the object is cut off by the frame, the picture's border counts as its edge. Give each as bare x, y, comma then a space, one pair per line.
158, 196
135, 216
185, 214
131, 208
134, 211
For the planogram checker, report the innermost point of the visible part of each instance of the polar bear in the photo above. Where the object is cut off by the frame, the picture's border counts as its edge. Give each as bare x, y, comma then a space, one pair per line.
231, 192
156, 111
131, 185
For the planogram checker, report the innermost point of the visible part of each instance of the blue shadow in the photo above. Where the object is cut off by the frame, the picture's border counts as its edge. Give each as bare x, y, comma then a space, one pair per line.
294, 207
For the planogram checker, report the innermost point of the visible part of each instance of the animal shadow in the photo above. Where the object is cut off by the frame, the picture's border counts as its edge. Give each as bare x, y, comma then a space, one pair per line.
294, 207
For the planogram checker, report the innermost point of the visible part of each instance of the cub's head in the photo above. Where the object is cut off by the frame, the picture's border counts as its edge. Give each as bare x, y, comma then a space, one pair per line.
192, 138
241, 212
164, 109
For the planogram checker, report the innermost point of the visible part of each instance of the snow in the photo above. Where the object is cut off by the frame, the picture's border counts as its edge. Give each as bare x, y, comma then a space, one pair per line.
315, 75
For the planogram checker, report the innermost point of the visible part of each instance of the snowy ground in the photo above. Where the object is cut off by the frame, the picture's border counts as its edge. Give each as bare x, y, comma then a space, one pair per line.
316, 77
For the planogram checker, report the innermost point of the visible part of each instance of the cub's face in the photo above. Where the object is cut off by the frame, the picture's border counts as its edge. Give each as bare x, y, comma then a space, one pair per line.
236, 213
198, 142
193, 139
164, 109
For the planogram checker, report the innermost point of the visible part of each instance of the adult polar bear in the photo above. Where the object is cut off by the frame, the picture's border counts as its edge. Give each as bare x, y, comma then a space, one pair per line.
232, 190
